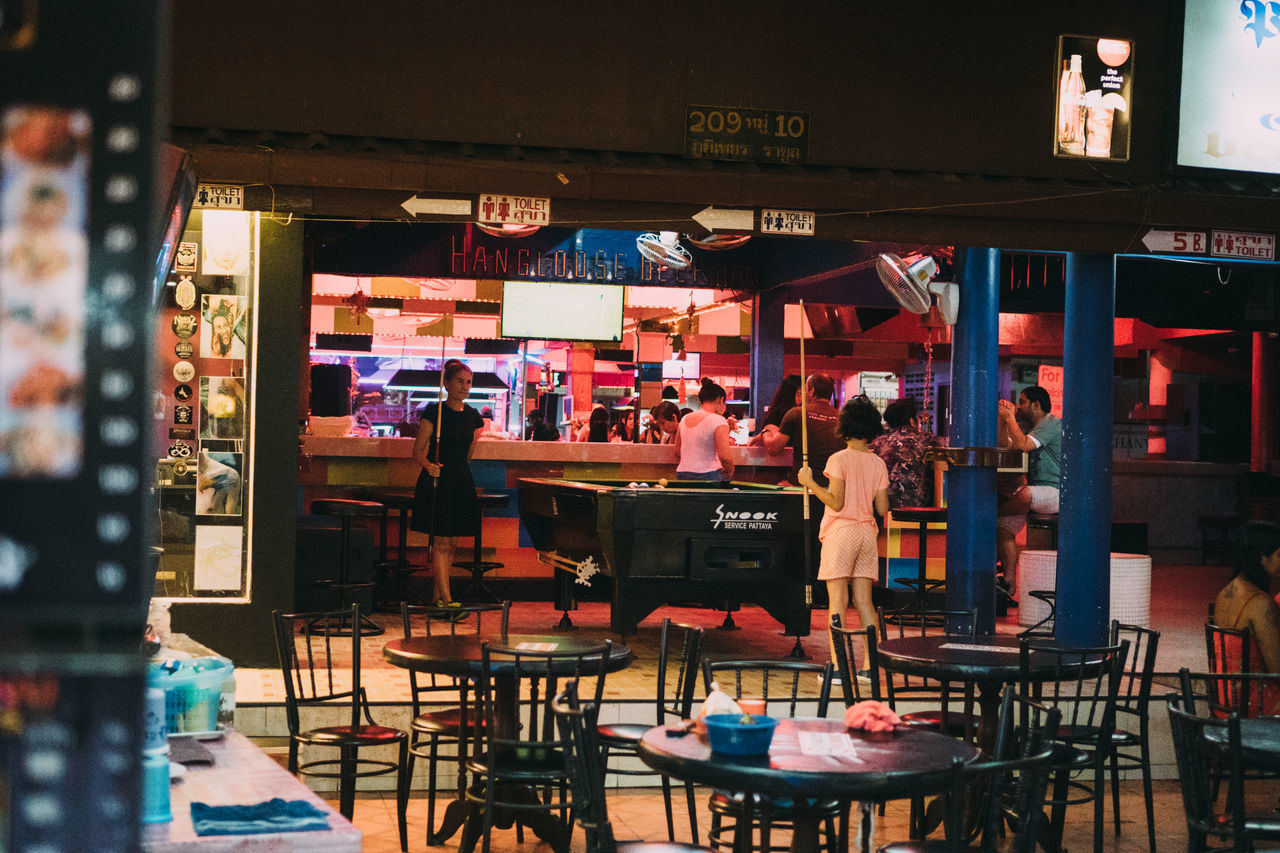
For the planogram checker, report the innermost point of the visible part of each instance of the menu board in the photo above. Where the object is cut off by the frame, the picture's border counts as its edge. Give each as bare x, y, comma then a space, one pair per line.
44, 273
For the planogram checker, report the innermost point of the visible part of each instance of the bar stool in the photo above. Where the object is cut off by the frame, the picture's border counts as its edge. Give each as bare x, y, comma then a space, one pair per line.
399, 501
346, 509
477, 590
923, 516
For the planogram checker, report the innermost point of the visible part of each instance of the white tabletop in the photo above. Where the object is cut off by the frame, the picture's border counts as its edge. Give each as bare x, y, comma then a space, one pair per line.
242, 774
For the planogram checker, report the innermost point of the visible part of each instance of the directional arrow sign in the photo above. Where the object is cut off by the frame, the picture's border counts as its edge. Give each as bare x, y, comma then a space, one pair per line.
446, 206
1193, 242
725, 220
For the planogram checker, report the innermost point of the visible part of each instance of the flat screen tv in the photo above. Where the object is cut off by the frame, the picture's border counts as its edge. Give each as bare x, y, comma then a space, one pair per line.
555, 311
1228, 115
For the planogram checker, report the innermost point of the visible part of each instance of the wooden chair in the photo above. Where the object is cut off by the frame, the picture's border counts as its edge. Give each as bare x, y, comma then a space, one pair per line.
452, 727
1196, 760
315, 651
521, 751
1131, 709
585, 768
1009, 789
1083, 684
680, 645
777, 682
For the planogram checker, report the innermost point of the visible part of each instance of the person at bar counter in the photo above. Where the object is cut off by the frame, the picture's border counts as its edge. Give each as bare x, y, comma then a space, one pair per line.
624, 429
858, 491
664, 420
1246, 602
902, 448
444, 503
784, 400
1044, 468
702, 439
822, 419
597, 426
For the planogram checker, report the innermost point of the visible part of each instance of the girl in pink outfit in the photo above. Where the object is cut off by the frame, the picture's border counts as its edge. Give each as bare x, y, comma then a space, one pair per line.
859, 491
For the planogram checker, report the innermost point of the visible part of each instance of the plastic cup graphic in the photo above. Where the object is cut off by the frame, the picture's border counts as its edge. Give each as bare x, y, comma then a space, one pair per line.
1097, 141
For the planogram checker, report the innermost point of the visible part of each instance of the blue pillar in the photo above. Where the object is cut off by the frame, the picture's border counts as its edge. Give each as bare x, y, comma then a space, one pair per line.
971, 492
1084, 519
767, 355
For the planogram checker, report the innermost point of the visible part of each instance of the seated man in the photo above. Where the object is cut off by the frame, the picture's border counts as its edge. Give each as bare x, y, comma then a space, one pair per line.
1044, 470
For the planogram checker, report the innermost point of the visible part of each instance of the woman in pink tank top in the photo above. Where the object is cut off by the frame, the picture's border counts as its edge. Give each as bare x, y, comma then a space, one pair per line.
702, 439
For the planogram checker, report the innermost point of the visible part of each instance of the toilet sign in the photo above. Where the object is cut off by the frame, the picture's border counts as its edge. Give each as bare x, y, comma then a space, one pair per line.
514, 209
799, 222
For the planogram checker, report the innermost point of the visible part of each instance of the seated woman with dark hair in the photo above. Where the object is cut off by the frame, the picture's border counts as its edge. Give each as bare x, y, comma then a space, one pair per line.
664, 420
1246, 601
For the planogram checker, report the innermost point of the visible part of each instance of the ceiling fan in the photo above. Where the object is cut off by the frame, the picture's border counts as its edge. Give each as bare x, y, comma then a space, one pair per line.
910, 281
664, 248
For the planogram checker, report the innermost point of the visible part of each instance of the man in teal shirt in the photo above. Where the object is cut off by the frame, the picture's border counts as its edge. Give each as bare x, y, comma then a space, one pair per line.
1043, 444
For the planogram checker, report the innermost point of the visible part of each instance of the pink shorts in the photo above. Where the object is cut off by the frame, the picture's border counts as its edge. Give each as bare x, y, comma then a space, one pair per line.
849, 551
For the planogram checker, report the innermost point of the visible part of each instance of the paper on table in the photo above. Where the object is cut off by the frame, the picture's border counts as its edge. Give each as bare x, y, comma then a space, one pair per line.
537, 647
975, 647
835, 744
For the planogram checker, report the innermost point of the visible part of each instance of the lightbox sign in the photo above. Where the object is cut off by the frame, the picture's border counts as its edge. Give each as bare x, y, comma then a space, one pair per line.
1094, 106
1229, 104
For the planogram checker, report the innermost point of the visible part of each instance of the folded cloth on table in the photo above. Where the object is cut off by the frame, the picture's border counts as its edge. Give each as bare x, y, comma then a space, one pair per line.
871, 716
188, 750
275, 815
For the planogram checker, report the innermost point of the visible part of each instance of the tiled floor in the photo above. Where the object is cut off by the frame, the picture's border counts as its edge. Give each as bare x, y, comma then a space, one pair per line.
1179, 599
638, 814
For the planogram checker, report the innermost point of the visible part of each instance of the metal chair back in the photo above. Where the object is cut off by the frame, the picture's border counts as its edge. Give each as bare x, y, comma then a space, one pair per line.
844, 642
782, 684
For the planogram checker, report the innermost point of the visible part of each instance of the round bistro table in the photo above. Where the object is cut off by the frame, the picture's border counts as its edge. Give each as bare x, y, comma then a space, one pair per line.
990, 662
458, 655
1259, 741
814, 759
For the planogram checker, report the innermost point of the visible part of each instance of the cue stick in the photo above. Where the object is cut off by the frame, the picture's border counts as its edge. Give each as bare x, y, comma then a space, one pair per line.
435, 487
804, 461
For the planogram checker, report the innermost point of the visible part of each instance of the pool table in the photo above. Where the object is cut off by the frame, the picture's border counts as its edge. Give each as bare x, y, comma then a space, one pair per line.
714, 544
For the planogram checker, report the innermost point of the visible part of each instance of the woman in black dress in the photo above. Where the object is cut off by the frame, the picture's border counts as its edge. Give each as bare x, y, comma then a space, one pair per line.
445, 502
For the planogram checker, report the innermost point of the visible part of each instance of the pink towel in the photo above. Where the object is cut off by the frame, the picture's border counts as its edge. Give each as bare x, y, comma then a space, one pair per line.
871, 716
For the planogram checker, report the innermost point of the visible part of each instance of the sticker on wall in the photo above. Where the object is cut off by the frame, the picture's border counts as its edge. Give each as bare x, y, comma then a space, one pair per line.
184, 349
182, 393
219, 556
185, 293
224, 330
180, 450
184, 325
183, 371
218, 483
226, 242
184, 260
222, 409
182, 433
184, 414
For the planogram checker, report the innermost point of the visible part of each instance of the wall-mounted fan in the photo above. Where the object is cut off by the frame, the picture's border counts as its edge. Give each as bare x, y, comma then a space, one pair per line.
910, 280
664, 248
